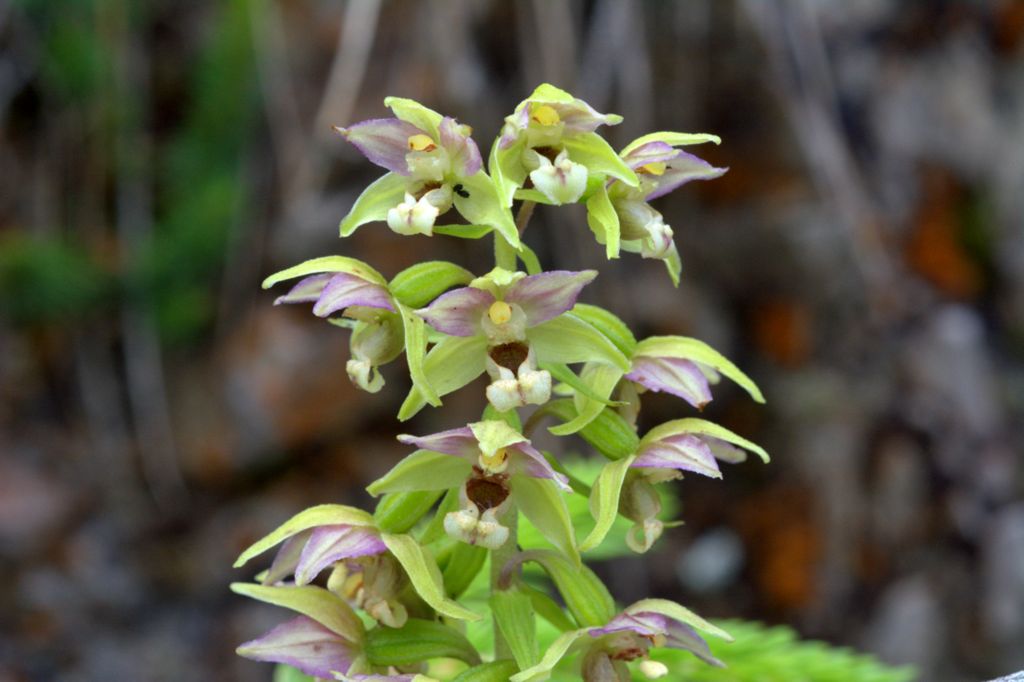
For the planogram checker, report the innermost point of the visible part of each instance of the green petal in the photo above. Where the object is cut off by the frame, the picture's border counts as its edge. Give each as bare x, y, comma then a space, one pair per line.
514, 616
415, 329
568, 339
451, 364
323, 606
604, 221
680, 613
558, 650
485, 206
374, 203
327, 264
697, 351
422, 470
608, 324
494, 435
547, 93
602, 380
604, 500
321, 515
417, 641
507, 170
591, 150
674, 139
543, 504
705, 428
425, 576
420, 284
411, 111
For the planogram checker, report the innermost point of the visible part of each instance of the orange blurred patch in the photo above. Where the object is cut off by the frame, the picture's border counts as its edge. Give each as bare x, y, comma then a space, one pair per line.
782, 331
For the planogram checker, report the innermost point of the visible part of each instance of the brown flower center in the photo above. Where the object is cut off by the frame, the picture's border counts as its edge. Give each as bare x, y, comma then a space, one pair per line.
486, 492
509, 355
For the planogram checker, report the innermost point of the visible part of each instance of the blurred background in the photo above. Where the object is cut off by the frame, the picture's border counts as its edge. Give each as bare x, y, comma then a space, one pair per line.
863, 260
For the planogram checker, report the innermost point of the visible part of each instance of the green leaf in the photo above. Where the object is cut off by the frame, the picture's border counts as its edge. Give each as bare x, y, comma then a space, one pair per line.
464, 231
586, 597
495, 671
513, 613
568, 339
398, 512
327, 264
506, 168
425, 576
608, 324
674, 139
547, 608
565, 375
423, 470
604, 221
321, 605
374, 203
704, 428
485, 206
697, 351
530, 260
413, 112
463, 566
604, 500
543, 503
602, 379
417, 641
451, 364
609, 433
435, 529
591, 150
559, 649
420, 284
680, 613
321, 515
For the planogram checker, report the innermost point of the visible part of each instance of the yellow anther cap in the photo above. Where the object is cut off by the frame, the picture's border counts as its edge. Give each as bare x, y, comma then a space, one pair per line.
544, 114
653, 168
421, 143
499, 312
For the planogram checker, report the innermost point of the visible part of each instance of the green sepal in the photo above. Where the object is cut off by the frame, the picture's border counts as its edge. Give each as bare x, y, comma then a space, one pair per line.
495, 671
604, 221
513, 613
534, 195
435, 529
411, 111
463, 231
546, 93
324, 264
608, 324
704, 428
510, 417
543, 503
586, 597
602, 379
415, 329
592, 151
420, 284
680, 613
320, 515
382, 195
507, 171
609, 433
568, 339
484, 206
604, 500
698, 351
674, 266
417, 641
568, 377
451, 364
398, 512
464, 563
564, 646
547, 608
321, 605
422, 470
494, 434
674, 139
425, 576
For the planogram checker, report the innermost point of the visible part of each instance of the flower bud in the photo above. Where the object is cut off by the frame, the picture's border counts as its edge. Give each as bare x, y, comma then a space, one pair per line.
417, 216
599, 667
638, 221
641, 504
563, 181
652, 670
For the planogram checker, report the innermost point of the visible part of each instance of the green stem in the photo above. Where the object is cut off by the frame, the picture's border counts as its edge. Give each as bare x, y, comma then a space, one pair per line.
504, 255
500, 557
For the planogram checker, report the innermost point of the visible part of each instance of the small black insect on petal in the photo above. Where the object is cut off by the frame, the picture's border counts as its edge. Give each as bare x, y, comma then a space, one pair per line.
460, 191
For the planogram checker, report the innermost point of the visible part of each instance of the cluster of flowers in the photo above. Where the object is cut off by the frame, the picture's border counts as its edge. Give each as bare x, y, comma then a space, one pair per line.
389, 603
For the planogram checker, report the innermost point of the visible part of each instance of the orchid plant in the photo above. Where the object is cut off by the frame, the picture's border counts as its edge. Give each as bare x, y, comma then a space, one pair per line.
386, 596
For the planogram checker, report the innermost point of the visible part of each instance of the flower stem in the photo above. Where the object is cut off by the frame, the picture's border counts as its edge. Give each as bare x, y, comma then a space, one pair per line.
500, 557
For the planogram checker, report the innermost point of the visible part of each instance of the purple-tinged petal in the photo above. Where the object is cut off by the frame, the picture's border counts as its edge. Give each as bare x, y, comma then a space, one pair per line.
459, 442
677, 376
384, 141
307, 290
725, 452
329, 544
302, 643
681, 170
527, 460
621, 623
678, 635
514, 127
652, 152
344, 290
458, 312
548, 294
462, 150
287, 558
580, 117
683, 451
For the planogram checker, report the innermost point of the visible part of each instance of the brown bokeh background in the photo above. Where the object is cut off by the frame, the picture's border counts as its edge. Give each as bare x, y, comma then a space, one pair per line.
863, 260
